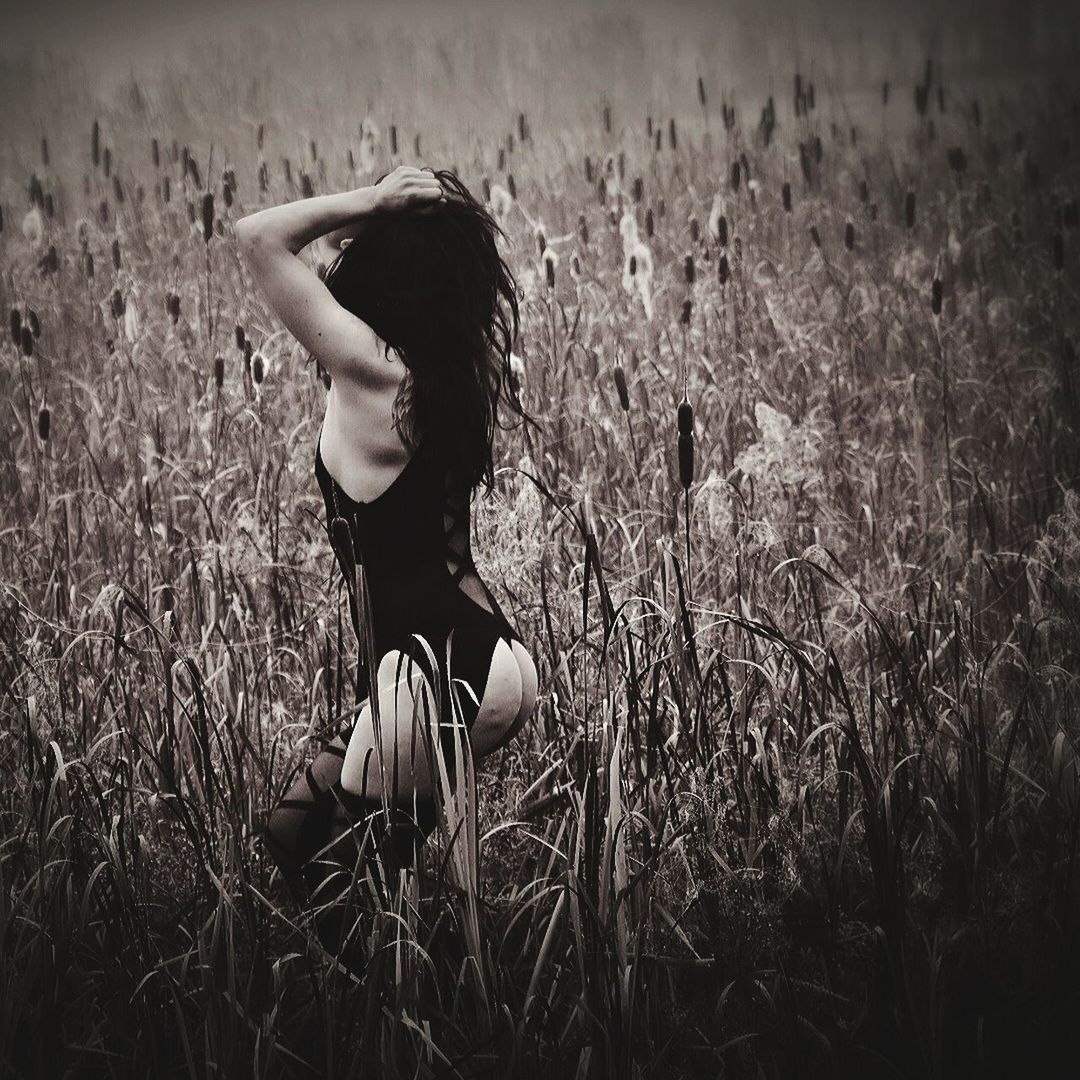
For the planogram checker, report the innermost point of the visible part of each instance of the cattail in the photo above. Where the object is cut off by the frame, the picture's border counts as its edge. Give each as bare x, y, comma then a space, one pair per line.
956, 159
650, 223
166, 189
259, 136
116, 253
173, 303
193, 169
701, 91
639, 189
1059, 251
103, 212
286, 166
501, 160
684, 318
26, 340
695, 230
50, 262
607, 119
258, 368
688, 269
249, 351
88, 265
935, 297
116, 304
672, 140
37, 193
575, 265
722, 230
620, 386
686, 443
648, 127
155, 153
16, 327
583, 230
208, 216
95, 144
306, 188
722, 272
44, 420
239, 336
849, 236
589, 178
541, 241
522, 126
736, 176
219, 371
815, 236
549, 268
632, 265
864, 191
227, 195
909, 210
657, 143
118, 189
785, 196
511, 186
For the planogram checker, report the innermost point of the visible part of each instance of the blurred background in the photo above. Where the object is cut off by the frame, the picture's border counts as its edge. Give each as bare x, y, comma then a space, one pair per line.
457, 70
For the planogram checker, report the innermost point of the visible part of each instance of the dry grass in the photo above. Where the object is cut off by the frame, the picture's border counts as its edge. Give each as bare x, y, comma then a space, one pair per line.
808, 730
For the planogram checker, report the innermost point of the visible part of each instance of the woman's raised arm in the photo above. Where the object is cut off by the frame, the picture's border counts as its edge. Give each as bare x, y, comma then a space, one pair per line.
270, 241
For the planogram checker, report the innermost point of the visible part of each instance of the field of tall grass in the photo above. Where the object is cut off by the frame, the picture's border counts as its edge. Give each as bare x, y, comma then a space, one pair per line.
797, 550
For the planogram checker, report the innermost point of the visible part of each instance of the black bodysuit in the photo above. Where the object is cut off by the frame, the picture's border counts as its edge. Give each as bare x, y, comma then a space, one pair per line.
413, 543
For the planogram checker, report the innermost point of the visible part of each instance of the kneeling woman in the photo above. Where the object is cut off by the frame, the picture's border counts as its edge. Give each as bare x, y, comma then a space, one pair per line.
414, 321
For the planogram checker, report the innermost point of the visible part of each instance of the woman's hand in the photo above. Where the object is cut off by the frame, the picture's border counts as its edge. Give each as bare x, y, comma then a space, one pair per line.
408, 186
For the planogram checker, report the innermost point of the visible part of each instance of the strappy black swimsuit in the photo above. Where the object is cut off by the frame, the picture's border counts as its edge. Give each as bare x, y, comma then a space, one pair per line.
413, 543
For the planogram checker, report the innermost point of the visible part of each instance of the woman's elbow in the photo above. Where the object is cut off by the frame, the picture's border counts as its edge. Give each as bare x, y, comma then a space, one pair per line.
247, 233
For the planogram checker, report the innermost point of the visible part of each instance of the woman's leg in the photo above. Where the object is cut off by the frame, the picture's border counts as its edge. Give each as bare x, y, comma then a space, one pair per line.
304, 821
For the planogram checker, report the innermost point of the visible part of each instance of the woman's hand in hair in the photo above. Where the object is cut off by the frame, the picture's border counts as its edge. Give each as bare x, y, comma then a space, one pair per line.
408, 186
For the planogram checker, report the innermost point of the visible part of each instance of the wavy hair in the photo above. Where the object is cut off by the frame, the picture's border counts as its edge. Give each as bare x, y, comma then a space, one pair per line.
429, 280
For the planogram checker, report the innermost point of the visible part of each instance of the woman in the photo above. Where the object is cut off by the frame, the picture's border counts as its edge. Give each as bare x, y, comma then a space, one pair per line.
414, 321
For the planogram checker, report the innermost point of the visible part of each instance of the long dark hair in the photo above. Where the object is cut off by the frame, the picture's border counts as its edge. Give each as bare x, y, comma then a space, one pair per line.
432, 285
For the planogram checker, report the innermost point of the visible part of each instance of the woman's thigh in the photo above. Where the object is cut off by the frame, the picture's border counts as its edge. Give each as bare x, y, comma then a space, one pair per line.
402, 737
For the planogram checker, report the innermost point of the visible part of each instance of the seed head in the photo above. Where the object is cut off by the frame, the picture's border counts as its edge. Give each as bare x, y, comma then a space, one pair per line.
620, 387
43, 423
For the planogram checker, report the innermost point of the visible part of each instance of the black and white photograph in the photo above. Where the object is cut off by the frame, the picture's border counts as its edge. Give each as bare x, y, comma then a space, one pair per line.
541, 539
